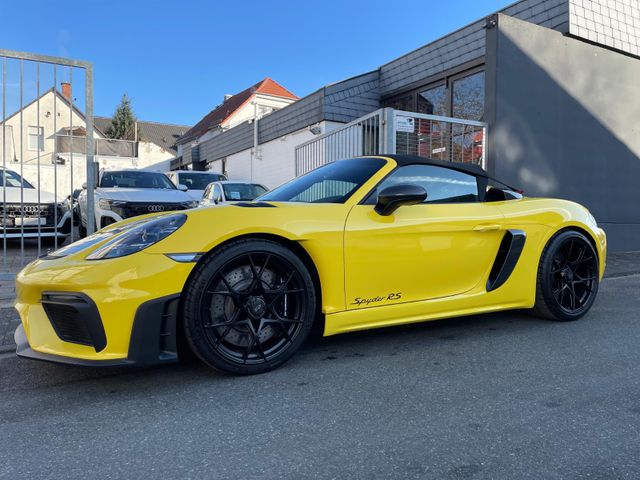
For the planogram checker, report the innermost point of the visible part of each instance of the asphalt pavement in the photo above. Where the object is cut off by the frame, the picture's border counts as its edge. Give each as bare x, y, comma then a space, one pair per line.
504, 396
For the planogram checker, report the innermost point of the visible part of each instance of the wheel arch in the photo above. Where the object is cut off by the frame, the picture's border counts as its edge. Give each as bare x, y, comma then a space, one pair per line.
294, 246
583, 230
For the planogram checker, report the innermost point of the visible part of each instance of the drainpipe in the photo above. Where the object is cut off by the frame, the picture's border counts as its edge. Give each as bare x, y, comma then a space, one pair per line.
254, 153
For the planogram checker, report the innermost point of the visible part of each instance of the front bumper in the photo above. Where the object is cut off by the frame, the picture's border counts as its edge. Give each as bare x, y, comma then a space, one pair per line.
114, 312
153, 339
62, 229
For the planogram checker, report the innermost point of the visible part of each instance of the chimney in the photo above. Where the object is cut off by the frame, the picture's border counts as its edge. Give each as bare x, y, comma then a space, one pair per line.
227, 97
66, 90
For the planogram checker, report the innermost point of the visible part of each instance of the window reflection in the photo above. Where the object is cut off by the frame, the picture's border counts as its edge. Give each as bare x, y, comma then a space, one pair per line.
468, 97
433, 101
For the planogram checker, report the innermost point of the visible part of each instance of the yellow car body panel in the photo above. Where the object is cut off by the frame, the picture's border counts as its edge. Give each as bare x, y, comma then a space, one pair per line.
423, 262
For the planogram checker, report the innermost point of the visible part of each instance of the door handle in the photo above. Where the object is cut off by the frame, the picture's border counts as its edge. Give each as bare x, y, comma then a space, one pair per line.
487, 227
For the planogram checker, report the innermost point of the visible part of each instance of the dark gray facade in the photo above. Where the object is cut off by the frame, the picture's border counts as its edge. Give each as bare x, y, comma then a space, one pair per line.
564, 120
560, 94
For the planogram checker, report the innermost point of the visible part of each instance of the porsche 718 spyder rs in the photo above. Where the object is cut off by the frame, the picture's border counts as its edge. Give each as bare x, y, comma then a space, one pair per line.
355, 244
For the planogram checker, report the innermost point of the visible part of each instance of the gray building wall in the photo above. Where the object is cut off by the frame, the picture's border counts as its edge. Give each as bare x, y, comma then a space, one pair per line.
565, 122
614, 23
465, 45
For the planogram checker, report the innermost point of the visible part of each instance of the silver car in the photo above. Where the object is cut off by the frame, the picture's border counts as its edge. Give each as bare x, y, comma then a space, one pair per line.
230, 191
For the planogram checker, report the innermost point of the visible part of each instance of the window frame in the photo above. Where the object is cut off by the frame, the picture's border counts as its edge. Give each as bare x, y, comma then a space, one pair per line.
39, 138
371, 198
445, 79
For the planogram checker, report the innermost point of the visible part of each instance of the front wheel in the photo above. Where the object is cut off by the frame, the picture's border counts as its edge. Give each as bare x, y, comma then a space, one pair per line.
567, 277
249, 307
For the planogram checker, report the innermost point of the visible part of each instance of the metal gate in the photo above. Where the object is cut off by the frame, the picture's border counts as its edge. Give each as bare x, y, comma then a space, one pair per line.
394, 131
46, 103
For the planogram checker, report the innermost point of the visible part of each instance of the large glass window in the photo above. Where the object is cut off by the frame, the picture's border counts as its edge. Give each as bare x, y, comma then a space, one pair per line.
332, 183
468, 97
433, 101
443, 185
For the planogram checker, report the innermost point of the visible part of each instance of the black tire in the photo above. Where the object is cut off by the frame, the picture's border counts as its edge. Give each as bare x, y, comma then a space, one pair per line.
568, 278
249, 307
82, 230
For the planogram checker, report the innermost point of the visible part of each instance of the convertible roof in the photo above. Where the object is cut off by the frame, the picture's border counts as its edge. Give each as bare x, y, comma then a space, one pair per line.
414, 159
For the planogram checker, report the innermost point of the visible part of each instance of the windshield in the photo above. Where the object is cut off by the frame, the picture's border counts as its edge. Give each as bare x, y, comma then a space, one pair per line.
13, 180
198, 181
136, 179
332, 183
242, 191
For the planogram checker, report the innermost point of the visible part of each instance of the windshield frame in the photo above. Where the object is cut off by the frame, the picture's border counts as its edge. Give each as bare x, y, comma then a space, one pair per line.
170, 184
380, 165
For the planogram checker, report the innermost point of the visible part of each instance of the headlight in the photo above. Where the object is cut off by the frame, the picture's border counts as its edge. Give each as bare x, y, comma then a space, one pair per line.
140, 237
107, 204
191, 204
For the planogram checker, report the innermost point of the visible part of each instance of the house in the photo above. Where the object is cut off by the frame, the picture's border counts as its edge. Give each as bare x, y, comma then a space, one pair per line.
556, 81
156, 142
255, 102
46, 140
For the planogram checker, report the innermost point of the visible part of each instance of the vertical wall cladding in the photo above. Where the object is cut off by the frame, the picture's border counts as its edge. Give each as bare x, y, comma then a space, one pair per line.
466, 44
352, 98
564, 125
614, 23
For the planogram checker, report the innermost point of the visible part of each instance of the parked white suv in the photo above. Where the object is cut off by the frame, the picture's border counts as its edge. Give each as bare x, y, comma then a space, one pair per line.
27, 213
195, 181
122, 194
230, 191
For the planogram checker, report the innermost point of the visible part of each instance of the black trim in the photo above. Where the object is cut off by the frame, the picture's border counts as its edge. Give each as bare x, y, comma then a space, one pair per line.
153, 336
24, 350
506, 259
253, 204
79, 322
403, 160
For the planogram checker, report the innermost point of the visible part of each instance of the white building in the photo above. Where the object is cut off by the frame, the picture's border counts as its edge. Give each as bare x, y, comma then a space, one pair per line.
238, 111
46, 142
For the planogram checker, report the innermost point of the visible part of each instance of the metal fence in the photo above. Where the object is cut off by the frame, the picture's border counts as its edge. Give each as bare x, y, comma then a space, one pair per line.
394, 131
43, 98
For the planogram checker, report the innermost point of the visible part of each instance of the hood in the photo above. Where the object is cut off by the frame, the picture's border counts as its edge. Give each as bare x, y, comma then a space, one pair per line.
143, 195
195, 194
29, 195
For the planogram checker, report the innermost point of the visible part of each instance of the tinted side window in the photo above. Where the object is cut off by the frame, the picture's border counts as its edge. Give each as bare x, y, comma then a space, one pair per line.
443, 185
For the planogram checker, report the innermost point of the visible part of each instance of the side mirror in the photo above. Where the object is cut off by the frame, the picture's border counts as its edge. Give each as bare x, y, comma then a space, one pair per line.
182, 188
84, 186
390, 198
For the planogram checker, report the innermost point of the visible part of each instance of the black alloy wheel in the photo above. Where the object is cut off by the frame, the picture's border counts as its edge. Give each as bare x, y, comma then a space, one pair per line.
249, 307
568, 277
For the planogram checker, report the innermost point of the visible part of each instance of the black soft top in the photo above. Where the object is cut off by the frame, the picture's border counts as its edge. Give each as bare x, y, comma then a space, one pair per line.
469, 168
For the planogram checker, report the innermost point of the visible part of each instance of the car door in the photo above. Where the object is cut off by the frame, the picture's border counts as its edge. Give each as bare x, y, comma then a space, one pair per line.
442, 247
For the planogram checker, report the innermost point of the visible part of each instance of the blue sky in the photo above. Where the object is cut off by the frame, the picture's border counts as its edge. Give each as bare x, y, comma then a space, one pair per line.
177, 59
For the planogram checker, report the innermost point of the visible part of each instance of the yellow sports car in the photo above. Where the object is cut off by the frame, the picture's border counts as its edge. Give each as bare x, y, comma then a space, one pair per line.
356, 244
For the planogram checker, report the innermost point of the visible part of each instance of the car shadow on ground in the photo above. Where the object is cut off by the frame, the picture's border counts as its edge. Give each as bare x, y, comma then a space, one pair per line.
406, 342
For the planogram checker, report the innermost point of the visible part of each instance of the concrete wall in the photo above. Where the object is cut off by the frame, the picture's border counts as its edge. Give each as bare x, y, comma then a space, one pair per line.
565, 122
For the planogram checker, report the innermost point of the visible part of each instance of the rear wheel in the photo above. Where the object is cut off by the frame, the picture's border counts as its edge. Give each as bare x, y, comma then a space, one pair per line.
249, 307
567, 277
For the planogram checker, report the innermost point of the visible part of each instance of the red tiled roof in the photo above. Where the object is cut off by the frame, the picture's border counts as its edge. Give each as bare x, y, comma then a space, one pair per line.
222, 112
